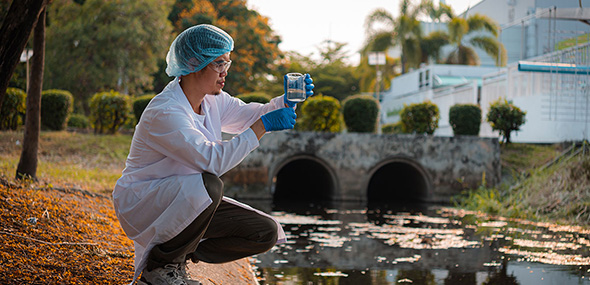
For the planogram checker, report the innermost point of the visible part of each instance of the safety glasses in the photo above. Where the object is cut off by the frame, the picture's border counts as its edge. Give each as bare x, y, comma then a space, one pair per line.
220, 66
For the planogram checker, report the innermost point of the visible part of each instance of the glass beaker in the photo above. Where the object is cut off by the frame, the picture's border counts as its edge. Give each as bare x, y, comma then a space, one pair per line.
296, 87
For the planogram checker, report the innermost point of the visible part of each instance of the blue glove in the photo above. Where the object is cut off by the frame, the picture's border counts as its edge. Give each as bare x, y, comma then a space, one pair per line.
308, 89
279, 119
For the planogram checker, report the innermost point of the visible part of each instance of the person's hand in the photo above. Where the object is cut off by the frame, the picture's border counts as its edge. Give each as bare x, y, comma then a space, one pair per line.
308, 89
279, 119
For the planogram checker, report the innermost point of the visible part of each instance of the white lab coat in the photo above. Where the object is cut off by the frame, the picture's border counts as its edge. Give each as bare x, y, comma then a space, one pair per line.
161, 190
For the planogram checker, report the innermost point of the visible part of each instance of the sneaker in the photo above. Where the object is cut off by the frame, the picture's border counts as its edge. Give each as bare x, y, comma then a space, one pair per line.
171, 274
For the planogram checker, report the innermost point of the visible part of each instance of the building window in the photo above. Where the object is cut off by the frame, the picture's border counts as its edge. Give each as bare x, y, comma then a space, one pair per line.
420, 82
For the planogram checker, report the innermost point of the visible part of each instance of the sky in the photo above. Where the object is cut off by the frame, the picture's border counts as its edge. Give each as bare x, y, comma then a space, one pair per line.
305, 25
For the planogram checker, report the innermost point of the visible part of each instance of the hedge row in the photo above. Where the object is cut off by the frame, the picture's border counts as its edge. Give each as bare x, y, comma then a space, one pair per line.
110, 111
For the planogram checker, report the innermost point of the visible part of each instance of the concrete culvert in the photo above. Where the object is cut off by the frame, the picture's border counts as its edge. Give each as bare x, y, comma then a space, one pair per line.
397, 182
303, 180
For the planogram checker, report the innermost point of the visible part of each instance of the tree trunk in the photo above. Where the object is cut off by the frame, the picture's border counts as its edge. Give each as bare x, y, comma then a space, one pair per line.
14, 34
27, 166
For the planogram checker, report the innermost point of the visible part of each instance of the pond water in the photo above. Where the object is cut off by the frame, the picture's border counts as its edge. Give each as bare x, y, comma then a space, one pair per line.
350, 243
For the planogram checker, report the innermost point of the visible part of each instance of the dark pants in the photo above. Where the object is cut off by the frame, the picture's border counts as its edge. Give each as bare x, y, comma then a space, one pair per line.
230, 232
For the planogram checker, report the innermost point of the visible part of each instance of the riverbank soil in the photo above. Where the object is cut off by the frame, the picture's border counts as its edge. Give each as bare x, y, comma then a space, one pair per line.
58, 236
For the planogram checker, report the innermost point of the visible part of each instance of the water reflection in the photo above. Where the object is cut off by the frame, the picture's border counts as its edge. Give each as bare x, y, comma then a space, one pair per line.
419, 244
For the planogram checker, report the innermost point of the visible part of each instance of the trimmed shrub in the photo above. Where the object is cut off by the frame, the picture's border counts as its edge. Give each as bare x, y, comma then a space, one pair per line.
78, 121
140, 103
13, 109
420, 118
393, 128
320, 114
360, 113
109, 111
505, 118
465, 119
259, 97
56, 106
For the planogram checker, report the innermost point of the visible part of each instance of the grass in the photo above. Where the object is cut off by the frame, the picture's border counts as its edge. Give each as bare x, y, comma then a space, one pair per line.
72, 160
535, 190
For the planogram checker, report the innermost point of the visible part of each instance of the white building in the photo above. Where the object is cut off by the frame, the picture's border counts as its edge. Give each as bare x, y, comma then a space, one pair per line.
556, 102
444, 85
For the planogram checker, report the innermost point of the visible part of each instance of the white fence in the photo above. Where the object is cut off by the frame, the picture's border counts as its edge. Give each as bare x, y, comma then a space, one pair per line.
557, 104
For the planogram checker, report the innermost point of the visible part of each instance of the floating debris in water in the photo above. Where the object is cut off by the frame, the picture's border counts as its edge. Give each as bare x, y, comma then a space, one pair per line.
548, 257
422, 218
493, 264
291, 219
493, 224
328, 240
410, 259
331, 274
405, 280
546, 244
331, 229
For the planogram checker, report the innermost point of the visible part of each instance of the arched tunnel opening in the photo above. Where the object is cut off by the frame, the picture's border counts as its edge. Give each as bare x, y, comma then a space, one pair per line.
397, 182
303, 180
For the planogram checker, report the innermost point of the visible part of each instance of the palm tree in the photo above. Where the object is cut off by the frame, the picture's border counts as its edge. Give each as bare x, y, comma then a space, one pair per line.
464, 52
404, 31
436, 14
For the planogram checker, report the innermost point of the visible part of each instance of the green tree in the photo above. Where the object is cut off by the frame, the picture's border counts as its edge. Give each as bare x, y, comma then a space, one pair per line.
333, 76
437, 14
464, 52
368, 73
505, 117
105, 44
404, 31
256, 49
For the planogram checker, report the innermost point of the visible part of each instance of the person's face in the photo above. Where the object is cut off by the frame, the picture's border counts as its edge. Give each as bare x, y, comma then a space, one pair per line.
213, 75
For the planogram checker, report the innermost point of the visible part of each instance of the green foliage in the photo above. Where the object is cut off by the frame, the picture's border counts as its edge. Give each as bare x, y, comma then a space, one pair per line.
140, 103
487, 40
393, 128
56, 106
105, 45
78, 121
13, 109
420, 118
488, 200
256, 52
332, 76
465, 119
505, 117
361, 113
259, 97
109, 112
321, 114
335, 81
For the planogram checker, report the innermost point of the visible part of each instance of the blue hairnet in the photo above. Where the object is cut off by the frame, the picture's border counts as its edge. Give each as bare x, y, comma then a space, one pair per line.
196, 47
